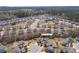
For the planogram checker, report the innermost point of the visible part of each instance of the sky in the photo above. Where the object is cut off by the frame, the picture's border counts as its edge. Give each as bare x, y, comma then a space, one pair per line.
39, 3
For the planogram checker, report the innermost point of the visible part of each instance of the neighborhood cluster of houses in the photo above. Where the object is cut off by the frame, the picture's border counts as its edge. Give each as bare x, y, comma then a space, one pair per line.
36, 26
43, 24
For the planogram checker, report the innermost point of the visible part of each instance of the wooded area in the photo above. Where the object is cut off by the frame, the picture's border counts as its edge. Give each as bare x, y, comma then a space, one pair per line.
10, 14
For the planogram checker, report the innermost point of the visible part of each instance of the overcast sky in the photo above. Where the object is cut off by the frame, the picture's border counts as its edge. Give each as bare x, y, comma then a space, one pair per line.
39, 2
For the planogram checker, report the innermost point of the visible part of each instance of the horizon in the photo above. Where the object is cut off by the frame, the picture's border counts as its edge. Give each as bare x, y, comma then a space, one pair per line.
39, 6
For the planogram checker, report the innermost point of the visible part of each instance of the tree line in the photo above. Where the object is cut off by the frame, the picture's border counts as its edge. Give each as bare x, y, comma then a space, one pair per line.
7, 15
